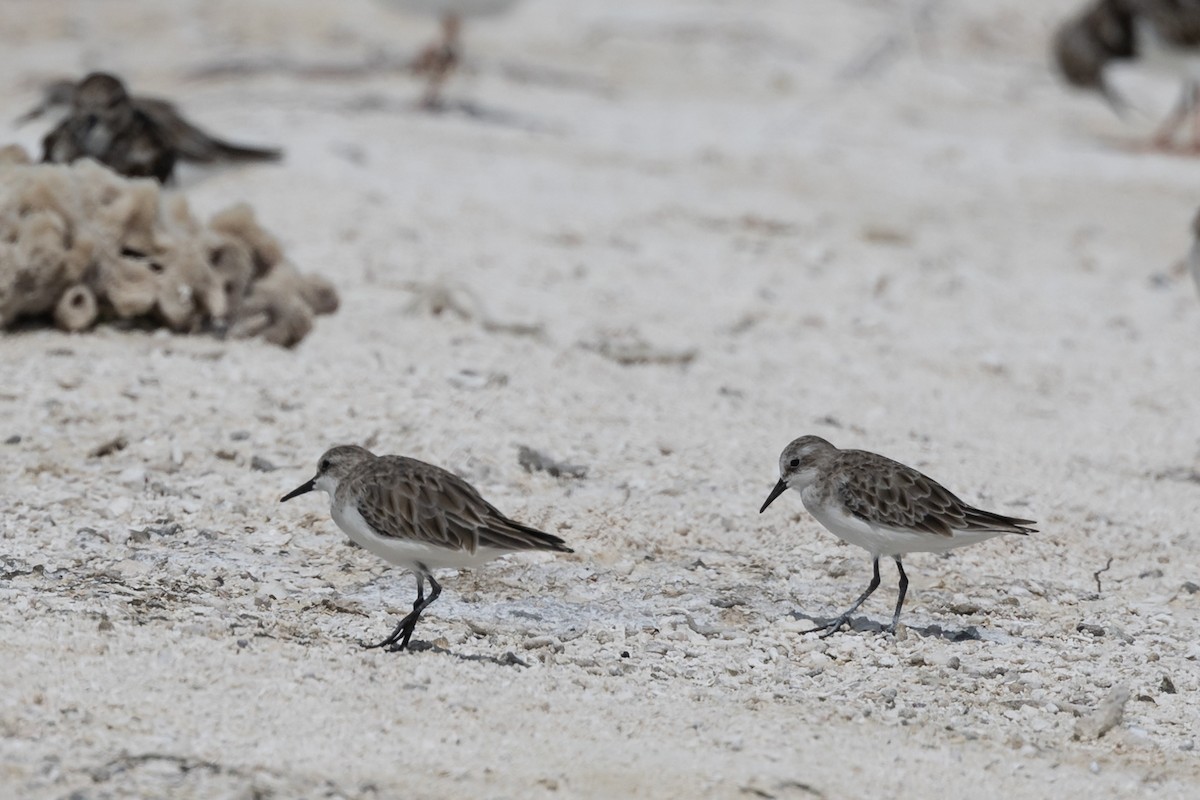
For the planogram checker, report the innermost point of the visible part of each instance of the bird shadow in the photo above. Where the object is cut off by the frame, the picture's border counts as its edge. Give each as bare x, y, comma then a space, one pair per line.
509, 659
450, 107
932, 631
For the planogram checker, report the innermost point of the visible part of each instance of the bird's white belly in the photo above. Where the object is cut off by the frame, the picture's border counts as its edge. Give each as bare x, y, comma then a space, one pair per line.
407, 553
879, 540
98, 140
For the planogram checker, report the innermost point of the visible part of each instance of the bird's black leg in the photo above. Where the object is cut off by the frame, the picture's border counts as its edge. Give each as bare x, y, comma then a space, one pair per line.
439, 60
831, 627
899, 601
435, 589
410, 619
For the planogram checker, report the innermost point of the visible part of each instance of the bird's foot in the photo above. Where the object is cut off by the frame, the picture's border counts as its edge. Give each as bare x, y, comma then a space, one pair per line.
831, 627
366, 646
393, 644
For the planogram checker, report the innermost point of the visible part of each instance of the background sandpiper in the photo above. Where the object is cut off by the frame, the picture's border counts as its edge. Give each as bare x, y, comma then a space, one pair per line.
1161, 35
135, 136
439, 59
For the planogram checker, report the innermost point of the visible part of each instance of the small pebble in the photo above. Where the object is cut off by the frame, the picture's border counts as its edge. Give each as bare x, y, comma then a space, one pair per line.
134, 477
964, 606
535, 642
260, 464
1104, 717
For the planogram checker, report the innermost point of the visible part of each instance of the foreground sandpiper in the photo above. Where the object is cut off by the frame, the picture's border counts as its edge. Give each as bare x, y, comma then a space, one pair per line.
419, 517
882, 506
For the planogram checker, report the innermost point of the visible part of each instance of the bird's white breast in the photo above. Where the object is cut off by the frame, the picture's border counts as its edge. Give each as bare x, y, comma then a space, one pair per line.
98, 140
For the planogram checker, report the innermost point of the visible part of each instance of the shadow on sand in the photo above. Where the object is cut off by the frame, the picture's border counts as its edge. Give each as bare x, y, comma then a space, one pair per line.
509, 659
865, 625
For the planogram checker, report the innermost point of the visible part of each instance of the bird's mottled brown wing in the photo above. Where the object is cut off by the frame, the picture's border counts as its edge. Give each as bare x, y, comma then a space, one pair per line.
438, 508
1176, 21
886, 492
191, 143
58, 146
143, 151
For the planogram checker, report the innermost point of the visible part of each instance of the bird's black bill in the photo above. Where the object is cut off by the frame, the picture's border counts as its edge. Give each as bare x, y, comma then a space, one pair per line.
304, 488
779, 489
30, 115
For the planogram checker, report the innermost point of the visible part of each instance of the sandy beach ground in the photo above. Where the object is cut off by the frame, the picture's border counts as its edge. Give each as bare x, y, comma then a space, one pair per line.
883, 223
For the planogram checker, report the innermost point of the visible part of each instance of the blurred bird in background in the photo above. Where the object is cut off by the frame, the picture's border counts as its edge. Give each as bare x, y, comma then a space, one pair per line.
440, 58
133, 135
1161, 35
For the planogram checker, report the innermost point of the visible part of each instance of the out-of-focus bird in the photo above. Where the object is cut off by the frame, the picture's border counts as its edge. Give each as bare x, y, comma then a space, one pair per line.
1193, 257
439, 59
135, 136
1162, 35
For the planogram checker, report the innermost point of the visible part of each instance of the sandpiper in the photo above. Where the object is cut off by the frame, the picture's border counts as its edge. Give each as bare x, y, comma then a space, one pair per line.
136, 136
884, 507
439, 59
1193, 257
417, 516
1162, 35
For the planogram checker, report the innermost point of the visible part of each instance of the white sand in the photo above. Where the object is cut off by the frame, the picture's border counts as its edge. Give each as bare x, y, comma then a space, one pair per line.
946, 258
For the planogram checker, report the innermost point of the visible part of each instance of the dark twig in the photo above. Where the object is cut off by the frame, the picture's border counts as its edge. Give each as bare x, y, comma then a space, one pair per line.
1096, 574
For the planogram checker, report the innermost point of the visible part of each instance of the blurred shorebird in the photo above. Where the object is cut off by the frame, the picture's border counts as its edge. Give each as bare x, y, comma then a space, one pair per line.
439, 59
135, 136
1193, 256
1161, 35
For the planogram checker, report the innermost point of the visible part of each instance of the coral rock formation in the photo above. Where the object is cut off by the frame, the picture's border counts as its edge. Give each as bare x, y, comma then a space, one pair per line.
79, 245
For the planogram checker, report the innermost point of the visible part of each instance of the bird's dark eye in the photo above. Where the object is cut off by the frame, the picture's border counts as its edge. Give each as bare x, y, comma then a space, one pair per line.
324, 465
795, 462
